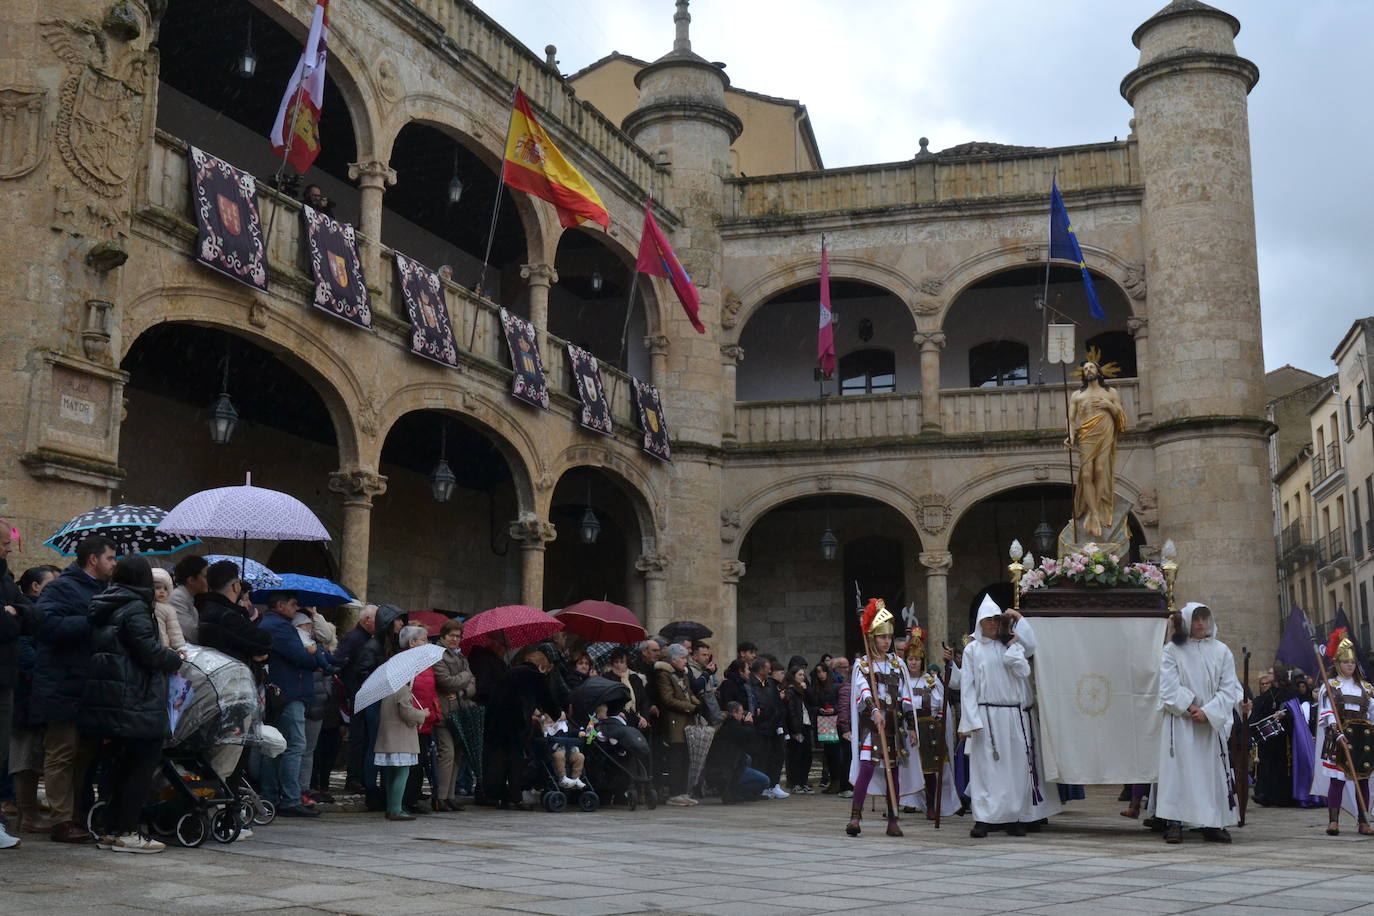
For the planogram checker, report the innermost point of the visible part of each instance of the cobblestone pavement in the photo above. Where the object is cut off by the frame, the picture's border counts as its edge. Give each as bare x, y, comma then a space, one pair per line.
773, 857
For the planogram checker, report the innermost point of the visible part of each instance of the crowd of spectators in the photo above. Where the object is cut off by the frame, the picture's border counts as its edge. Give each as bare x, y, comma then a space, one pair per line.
86, 651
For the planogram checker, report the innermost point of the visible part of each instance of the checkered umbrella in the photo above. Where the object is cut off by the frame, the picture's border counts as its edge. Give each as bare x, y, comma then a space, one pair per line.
132, 528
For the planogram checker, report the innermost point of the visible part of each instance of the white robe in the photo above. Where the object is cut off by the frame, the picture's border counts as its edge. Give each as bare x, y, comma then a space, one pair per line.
913, 789
949, 793
996, 699
1196, 778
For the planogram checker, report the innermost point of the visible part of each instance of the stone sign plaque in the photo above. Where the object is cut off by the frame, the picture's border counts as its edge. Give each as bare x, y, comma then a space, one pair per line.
80, 404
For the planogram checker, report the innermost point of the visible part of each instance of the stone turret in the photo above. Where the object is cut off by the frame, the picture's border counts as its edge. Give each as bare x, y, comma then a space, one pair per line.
682, 119
1190, 93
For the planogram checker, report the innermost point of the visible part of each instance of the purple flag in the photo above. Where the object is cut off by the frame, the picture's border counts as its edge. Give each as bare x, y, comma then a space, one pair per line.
1303, 751
1295, 645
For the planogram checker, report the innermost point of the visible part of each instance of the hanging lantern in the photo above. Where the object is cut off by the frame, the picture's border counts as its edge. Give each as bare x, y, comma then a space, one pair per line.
455, 189
1043, 538
441, 482
589, 529
248, 61
596, 281
223, 419
830, 545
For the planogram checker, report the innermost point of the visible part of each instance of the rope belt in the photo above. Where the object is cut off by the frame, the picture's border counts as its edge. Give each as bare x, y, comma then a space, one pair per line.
992, 736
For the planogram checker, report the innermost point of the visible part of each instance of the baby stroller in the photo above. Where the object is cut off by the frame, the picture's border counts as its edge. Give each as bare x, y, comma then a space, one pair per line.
618, 759
213, 702
553, 797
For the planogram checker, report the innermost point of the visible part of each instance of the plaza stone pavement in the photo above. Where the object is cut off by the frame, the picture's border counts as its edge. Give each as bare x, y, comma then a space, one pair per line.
773, 857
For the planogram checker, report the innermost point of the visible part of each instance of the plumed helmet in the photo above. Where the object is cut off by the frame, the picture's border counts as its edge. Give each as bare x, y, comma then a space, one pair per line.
1339, 647
877, 619
917, 647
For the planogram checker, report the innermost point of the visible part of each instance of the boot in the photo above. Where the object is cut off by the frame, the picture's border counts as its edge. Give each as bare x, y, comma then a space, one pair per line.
892, 828
31, 820
856, 813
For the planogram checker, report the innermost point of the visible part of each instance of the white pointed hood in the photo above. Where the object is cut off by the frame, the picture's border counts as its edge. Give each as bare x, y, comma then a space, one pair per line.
1187, 613
988, 608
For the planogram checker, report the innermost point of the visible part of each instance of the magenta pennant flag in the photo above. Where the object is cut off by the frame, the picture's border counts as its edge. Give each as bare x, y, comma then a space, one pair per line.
825, 337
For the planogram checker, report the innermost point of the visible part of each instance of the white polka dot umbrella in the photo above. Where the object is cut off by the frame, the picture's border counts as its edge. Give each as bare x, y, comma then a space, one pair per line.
132, 528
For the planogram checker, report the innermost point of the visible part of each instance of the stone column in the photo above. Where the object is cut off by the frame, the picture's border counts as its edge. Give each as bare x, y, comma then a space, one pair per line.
931, 344
532, 534
731, 356
357, 486
1140, 331
540, 277
654, 567
727, 637
373, 179
937, 564
657, 345
1208, 426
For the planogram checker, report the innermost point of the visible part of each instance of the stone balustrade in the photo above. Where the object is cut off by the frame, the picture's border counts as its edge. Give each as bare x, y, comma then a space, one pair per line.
963, 411
933, 180
166, 203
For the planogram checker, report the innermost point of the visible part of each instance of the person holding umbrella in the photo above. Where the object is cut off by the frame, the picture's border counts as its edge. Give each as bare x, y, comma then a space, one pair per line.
398, 736
290, 666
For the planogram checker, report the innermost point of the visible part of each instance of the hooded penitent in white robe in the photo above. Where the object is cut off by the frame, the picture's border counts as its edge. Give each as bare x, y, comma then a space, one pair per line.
1005, 782
1196, 779
913, 790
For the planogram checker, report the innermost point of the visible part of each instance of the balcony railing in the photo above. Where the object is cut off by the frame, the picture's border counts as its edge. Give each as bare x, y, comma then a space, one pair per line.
963, 411
1331, 548
1295, 543
1324, 464
476, 320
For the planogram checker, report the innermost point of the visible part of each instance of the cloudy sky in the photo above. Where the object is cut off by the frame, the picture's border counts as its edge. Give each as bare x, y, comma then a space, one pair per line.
878, 75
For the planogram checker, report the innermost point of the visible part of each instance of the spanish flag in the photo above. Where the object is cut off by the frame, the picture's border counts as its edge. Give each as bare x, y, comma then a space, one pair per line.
534, 165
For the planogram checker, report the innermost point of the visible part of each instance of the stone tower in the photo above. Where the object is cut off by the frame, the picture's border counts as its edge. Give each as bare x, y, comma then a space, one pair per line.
1189, 94
682, 119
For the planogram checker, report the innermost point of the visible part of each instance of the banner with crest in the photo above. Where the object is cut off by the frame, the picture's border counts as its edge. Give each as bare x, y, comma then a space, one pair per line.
596, 414
651, 420
431, 333
338, 271
529, 383
230, 231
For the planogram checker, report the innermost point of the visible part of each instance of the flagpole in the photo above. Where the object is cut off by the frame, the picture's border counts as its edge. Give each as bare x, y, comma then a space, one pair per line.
495, 212
288, 133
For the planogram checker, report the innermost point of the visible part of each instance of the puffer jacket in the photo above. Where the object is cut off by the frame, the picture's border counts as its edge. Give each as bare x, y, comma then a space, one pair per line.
11, 625
453, 677
677, 704
373, 652
223, 625
126, 691
64, 646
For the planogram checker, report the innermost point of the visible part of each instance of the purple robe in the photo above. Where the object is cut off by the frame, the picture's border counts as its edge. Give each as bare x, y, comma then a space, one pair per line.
1304, 757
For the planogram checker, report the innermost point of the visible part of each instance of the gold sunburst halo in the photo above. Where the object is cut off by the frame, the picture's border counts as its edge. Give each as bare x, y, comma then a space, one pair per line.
1094, 355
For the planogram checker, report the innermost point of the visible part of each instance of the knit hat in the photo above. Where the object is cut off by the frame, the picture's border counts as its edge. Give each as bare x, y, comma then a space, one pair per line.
301, 619
162, 577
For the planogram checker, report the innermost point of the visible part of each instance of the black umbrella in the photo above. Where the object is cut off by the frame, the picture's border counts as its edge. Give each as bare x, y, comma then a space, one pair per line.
132, 528
679, 630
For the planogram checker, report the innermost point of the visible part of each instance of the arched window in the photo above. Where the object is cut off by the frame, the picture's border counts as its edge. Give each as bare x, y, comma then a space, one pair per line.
998, 364
868, 372
1116, 347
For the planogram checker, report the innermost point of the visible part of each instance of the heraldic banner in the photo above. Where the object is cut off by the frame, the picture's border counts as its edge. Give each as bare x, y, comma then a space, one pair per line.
226, 201
651, 420
529, 384
596, 415
339, 286
1097, 690
431, 334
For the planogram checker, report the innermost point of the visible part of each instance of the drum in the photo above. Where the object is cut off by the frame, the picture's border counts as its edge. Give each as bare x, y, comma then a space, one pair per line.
1265, 730
928, 731
1360, 734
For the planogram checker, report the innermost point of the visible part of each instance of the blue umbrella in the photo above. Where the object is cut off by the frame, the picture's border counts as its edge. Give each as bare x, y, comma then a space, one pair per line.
310, 591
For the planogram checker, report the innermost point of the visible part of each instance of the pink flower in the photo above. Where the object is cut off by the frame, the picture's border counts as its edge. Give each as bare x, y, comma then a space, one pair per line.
1098, 569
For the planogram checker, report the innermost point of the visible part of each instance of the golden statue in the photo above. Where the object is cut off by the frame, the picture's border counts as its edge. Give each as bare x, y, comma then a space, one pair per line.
1096, 418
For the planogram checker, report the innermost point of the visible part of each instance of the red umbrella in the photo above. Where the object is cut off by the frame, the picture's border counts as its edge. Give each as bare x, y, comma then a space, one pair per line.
521, 623
430, 620
601, 621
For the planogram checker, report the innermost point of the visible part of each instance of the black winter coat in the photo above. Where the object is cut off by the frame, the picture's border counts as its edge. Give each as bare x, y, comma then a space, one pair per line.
11, 626
64, 646
367, 659
225, 627
126, 692
734, 741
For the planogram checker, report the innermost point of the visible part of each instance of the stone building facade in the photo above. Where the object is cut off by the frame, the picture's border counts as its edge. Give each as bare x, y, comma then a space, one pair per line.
939, 443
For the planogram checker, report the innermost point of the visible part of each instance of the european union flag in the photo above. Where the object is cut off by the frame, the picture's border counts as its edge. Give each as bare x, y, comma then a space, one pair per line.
1064, 244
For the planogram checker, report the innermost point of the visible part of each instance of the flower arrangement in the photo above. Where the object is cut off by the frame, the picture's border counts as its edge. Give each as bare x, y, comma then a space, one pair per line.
1092, 565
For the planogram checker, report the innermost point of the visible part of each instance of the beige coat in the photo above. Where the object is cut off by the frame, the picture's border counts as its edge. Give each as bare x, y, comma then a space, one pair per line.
453, 677
677, 705
401, 718
168, 627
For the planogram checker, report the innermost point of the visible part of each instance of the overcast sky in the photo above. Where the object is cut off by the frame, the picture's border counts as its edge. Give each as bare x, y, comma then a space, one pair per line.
878, 75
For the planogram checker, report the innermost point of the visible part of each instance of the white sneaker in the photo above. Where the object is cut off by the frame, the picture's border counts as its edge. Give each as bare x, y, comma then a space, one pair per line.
767, 793
7, 841
105, 842
132, 842
566, 783
246, 833
777, 792
680, 801
579, 784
